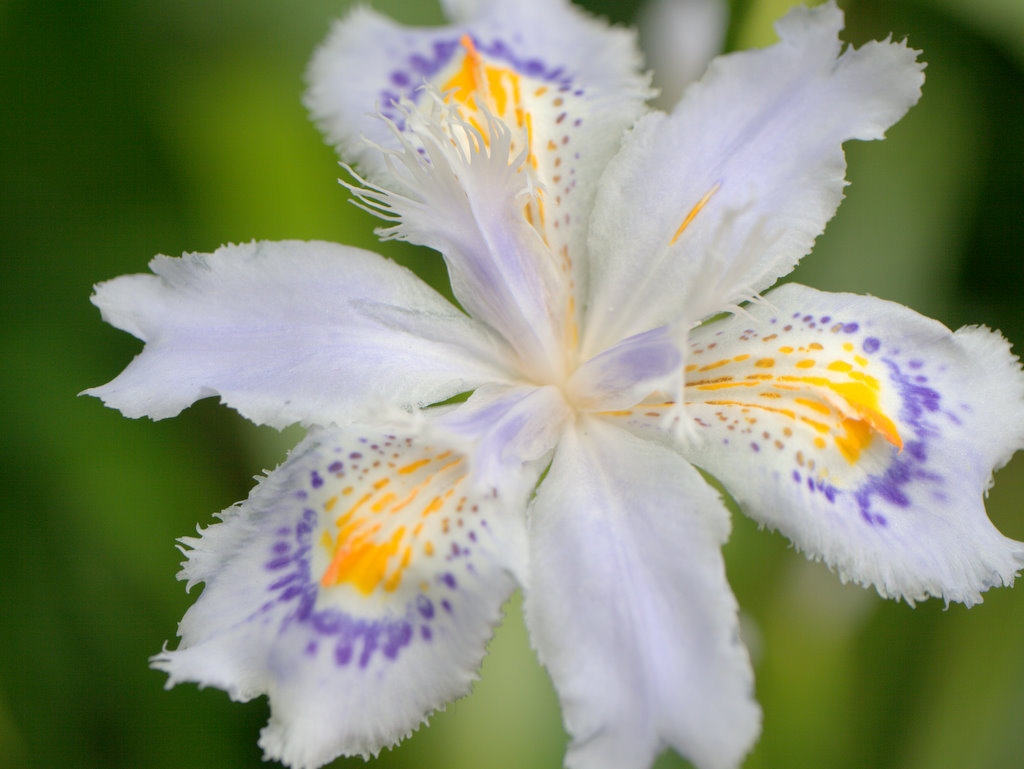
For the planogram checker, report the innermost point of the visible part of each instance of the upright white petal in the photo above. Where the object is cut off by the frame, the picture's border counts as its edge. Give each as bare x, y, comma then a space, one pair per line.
565, 86
291, 332
713, 203
628, 606
864, 432
356, 587
466, 199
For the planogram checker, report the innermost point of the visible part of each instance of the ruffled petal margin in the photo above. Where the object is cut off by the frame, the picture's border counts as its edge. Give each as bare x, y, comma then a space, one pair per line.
356, 587
734, 186
564, 86
864, 432
291, 332
629, 609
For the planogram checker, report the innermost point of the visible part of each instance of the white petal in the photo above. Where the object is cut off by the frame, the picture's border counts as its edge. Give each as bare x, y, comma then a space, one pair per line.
629, 609
705, 207
680, 37
864, 432
289, 332
464, 198
565, 85
356, 587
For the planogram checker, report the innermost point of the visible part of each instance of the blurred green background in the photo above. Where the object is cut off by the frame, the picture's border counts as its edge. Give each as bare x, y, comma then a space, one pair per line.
135, 127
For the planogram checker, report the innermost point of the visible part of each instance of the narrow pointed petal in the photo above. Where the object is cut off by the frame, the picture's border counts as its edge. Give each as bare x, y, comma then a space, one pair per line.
680, 38
356, 587
629, 609
734, 186
291, 332
865, 433
622, 375
512, 431
565, 86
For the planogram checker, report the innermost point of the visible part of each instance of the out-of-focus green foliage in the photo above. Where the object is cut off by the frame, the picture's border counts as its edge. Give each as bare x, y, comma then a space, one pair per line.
130, 128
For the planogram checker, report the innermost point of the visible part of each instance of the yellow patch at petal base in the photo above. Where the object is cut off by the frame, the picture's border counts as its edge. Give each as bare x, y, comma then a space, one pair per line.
479, 87
544, 118
385, 508
825, 387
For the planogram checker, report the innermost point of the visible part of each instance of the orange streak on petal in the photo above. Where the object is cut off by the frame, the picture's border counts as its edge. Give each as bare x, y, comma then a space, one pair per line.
693, 213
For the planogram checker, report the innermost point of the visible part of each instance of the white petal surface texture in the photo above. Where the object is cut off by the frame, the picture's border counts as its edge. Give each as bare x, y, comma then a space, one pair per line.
291, 332
465, 199
356, 587
864, 432
565, 87
735, 184
629, 609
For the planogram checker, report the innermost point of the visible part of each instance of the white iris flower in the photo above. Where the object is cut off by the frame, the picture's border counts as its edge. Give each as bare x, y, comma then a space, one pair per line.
588, 241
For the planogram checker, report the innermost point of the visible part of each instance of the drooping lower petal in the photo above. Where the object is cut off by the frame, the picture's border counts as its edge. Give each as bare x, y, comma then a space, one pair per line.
291, 332
356, 587
864, 432
629, 609
733, 187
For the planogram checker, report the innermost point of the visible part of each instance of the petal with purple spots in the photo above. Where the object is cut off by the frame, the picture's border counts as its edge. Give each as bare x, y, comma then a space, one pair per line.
357, 609
564, 86
863, 431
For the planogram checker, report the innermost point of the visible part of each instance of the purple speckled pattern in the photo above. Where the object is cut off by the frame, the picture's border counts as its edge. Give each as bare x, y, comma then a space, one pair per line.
920, 412
857, 428
425, 64
349, 639
780, 382
355, 630
349, 579
429, 59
